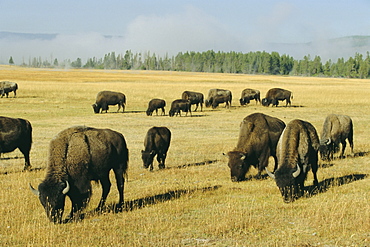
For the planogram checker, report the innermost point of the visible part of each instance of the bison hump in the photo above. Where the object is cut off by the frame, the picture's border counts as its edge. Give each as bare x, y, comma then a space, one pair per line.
78, 153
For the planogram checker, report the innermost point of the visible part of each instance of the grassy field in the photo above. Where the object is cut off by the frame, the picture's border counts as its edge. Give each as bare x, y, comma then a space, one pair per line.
193, 202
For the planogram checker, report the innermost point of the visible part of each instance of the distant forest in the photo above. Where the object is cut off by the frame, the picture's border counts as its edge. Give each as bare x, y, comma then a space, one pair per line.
259, 62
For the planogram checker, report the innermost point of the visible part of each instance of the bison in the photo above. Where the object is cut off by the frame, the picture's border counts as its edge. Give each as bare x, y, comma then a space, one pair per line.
275, 94
156, 142
248, 95
179, 105
223, 96
16, 133
297, 153
106, 98
77, 156
6, 87
336, 129
258, 137
154, 105
195, 98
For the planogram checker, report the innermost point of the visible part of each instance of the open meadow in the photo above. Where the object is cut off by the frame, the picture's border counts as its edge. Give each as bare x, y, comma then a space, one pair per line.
192, 202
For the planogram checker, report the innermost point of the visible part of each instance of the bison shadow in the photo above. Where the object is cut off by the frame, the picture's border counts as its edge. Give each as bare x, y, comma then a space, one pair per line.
326, 184
152, 200
358, 154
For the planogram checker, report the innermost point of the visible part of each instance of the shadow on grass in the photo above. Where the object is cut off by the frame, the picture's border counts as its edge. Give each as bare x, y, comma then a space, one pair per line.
326, 184
159, 198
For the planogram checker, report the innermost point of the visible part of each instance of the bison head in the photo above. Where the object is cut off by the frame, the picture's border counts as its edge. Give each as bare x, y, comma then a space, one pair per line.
238, 165
287, 181
52, 197
266, 102
327, 149
208, 103
147, 157
171, 113
244, 101
96, 108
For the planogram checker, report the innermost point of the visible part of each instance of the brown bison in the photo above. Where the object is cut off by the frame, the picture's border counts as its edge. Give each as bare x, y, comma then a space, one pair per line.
195, 98
275, 94
156, 142
77, 156
297, 154
179, 105
16, 133
6, 87
258, 137
106, 98
336, 129
154, 105
217, 96
249, 94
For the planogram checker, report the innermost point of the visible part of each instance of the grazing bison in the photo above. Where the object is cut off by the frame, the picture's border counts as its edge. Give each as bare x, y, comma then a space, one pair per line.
223, 96
297, 154
336, 129
16, 133
179, 105
195, 98
77, 156
157, 142
258, 137
6, 87
106, 98
154, 105
275, 94
248, 95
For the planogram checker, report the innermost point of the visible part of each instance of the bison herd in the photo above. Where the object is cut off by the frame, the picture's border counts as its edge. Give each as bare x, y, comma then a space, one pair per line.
188, 98
79, 155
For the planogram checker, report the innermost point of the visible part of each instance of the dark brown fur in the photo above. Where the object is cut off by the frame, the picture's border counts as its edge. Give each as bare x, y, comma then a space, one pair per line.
275, 94
249, 94
336, 129
77, 156
297, 150
212, 93
195, 98
179, 105
157, 142
6, 87
106, 98
258, 137
154, 105
16, 133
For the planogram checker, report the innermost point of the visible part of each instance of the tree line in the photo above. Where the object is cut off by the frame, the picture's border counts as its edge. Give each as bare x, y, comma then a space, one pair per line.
259, 62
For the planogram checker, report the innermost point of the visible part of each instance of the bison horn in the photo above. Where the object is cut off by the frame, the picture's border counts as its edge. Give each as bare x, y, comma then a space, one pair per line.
297, 172
328, 141
34, 191
66, 189
269, 173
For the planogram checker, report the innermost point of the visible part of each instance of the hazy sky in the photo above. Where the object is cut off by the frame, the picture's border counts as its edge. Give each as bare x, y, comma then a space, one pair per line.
173, 26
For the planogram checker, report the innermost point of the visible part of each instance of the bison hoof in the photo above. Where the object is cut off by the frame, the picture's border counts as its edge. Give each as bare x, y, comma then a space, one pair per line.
161, 166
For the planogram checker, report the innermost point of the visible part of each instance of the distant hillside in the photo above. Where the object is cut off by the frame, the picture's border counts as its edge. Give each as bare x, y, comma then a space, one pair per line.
25, 36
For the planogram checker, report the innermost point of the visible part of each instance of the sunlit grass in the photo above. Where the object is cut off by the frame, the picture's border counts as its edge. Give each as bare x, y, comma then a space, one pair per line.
250, 213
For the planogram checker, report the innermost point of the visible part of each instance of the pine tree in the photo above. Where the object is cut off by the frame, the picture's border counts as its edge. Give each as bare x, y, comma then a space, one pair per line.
11, 62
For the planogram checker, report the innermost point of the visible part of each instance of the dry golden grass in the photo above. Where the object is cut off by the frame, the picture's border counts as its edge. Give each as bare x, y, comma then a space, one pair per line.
206, 208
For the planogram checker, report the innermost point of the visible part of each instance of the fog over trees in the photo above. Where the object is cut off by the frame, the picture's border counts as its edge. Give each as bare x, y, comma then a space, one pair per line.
259, 62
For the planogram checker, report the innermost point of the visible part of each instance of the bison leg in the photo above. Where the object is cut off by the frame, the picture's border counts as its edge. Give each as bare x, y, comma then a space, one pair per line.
120, 187
196, 106
163, 112
26, 152
79, 202
161, 159
106, 184
344, 144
